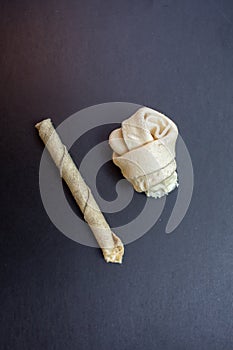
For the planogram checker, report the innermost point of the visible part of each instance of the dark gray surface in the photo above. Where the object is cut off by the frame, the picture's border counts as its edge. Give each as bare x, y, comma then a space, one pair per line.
172, 292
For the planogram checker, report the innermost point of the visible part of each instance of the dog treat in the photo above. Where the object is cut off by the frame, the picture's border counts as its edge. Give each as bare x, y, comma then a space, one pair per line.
110, 244
144, 150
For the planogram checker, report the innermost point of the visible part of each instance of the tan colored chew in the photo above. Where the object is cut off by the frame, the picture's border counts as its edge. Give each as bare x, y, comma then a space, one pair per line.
144, 150
111, 245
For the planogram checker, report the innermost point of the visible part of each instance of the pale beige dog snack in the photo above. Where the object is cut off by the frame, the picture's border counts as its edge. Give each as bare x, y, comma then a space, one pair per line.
111, 245
144, 150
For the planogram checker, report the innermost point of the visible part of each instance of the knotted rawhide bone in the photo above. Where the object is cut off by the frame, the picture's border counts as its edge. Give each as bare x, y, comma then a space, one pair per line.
144, 150
111, 245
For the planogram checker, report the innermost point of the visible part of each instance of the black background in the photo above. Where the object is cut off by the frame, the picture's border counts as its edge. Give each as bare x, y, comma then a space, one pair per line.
173, 292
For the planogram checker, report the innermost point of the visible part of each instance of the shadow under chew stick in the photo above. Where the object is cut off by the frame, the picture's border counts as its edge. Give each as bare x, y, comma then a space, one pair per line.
111, 245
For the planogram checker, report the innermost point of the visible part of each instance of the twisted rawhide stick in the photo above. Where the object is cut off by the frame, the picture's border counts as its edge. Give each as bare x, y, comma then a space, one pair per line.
110, 244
